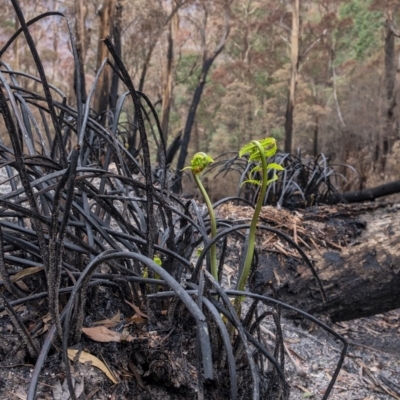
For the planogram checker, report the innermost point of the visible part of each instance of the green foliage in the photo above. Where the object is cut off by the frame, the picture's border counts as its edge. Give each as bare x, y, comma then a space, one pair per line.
278, 133
258, 151
253, 149
157, 260
363, 37
199, 162
187, 70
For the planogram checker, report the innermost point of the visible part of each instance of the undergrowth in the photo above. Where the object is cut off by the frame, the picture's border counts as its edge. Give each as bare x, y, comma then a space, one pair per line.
74, 222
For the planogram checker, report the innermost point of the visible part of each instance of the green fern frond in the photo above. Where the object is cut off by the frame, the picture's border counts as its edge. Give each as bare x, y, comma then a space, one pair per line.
248, 148
268, 144
256, 169
275, 166
199, 162
255, 157
258, 151
252, 181
273, 179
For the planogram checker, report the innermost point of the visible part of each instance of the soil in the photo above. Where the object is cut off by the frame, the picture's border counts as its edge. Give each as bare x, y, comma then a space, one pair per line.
159, 362
371, 369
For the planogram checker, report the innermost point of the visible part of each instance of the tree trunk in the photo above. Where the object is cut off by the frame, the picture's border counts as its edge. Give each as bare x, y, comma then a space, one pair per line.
293, 76
167, 89
177, 187
391, 90
176, 6
371, 194
360, 279
390, 75
80, 32
117, 31
16, 46
207, 63
102, 93
316, 136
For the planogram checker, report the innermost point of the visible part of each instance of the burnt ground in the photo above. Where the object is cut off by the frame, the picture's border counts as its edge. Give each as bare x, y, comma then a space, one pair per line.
371, 369
159, 362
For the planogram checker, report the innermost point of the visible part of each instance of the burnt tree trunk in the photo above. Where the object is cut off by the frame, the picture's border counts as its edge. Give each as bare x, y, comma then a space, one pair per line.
81, 12
198, 92
101, 97
360, 279
168, 78
116, 34
293, 77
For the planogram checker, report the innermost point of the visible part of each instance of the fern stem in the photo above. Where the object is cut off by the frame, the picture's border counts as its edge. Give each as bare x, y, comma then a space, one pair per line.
253, 227
213, 223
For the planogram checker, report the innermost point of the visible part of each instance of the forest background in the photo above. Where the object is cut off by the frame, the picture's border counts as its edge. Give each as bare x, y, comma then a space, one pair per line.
321, 76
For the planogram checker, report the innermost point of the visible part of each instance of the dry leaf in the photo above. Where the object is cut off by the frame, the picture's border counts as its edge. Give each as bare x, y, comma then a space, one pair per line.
46, 319
136, 319
22, 285
102, 334
111, 321
87, 357
61, 392
20, 393
26, 272
229, 273
23, 274
137, 309
125, 336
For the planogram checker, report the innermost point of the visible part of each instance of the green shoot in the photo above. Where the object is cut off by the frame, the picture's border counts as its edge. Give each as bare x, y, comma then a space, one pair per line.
158, 261
258, 151
198, 163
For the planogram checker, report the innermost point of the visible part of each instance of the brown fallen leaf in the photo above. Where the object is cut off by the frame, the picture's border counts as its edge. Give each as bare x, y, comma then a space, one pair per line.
22, 285
126, 337
23, 274
87, 357
110, 321
136, 309
46, 319
102, 334
26, 272
136, 319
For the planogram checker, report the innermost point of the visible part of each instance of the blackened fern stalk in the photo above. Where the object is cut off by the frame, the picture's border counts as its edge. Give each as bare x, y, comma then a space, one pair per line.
258, 151
151, 225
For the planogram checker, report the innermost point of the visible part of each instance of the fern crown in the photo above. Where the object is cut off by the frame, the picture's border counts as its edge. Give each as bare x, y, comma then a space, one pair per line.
199, 162
253, 150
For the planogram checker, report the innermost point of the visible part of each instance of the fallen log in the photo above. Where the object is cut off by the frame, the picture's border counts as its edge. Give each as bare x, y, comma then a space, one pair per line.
355, 250
370, 194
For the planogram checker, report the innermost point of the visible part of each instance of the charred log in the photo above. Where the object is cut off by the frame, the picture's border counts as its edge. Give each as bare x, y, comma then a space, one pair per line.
373, 193
356, 253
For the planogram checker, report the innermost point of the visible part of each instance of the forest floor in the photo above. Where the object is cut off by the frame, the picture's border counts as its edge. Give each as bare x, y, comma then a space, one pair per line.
371, 369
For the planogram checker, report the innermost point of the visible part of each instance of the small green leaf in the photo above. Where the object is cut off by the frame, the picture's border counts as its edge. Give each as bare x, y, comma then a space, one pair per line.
307, 394
158, 261
252, 181
255, 157
268, 144
275, 166
247, 149
257, 168
273, 179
